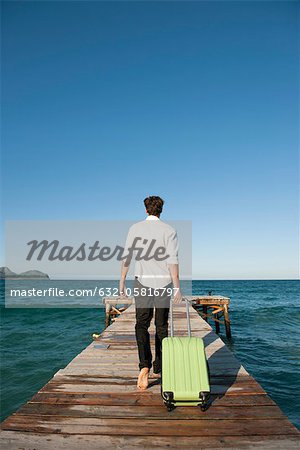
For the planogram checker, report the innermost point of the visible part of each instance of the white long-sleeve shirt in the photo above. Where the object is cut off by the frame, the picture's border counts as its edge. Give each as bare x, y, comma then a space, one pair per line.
153, 273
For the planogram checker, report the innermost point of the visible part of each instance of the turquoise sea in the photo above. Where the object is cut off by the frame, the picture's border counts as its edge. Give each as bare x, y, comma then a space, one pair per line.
265, 317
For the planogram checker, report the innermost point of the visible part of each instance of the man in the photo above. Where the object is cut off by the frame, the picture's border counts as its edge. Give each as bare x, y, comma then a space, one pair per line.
154, 278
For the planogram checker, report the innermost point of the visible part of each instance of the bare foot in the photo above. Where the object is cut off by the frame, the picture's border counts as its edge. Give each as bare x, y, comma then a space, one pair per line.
157, 375
143, 379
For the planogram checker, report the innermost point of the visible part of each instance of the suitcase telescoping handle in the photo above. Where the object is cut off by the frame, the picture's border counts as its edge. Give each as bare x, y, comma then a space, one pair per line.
187, 305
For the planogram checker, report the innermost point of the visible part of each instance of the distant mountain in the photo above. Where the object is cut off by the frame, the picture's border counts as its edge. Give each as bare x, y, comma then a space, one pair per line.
5, 272
33, 274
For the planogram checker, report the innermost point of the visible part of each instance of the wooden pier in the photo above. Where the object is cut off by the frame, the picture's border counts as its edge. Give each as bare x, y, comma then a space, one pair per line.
213, 307
93, 403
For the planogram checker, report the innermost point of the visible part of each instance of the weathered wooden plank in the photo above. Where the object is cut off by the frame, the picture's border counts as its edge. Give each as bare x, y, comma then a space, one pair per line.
100, 379
99, 361
132, 370
144, 399
259, 427
29, 441
153, 412
216, 389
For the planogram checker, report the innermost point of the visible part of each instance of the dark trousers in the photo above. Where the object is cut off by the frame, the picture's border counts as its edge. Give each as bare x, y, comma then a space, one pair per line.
146, 307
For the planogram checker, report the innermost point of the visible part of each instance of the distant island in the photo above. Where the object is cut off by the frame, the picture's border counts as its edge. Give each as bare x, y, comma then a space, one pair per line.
6, 273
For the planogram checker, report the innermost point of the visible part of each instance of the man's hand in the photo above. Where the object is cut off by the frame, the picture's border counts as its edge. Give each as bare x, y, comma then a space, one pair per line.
122, 288
178, 296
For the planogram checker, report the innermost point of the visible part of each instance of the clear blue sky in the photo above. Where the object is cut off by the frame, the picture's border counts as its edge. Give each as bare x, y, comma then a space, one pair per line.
105, 103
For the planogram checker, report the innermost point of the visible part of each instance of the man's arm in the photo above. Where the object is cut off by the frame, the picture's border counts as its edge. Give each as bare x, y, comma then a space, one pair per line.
124, 271
173, 265
125, 265
174, 272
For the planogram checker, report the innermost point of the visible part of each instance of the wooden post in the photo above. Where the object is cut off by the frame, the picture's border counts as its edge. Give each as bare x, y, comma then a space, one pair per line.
227, 322
217, 324
111, 310
205, 313
107, 314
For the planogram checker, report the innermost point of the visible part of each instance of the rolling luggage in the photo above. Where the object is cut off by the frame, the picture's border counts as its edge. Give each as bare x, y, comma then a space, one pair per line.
185, 375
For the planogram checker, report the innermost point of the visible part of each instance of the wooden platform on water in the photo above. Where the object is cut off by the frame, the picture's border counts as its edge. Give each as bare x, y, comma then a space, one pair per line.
93, 402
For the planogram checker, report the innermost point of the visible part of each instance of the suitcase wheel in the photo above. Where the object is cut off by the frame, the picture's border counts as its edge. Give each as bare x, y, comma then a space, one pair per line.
168, 400
170, 406
204, 396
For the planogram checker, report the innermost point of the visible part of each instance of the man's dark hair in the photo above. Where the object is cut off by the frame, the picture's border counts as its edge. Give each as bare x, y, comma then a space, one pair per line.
154, 205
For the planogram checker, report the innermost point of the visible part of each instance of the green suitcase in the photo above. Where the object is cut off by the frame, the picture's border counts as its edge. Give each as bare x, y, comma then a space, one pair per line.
185, 374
